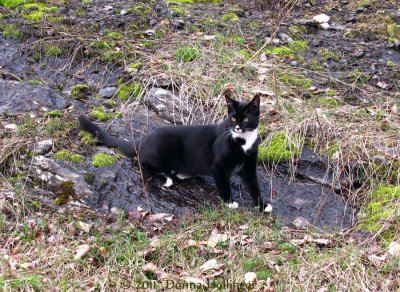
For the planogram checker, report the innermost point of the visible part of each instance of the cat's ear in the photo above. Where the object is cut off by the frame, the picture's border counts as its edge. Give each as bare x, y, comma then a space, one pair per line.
232, 104
255, 104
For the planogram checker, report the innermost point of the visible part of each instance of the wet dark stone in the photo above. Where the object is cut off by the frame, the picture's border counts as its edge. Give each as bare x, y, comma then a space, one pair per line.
17, 97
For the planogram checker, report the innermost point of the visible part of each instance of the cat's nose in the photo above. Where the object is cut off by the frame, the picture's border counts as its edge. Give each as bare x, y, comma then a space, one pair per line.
237, 129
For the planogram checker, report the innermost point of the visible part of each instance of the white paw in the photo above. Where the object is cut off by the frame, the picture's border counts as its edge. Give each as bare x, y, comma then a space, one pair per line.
268, 209
233, 205
168, 183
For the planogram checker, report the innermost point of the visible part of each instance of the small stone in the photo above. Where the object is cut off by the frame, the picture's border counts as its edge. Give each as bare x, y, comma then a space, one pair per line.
308, 5
107, 92
315, 42
357, 54
360, 9
285, 38
11, 127
178, 23
350, 18
43, 147
321, 18
250, 277
301, 222
294, 63
343, 61
276, 41
324, 25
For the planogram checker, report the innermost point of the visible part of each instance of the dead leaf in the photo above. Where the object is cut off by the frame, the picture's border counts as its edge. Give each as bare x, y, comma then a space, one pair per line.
393, 109
150, 267
246, 239
155, 241
208, 265
30, 265
376, 260
159, 216
217, 238
81, 251
394, 249
103, 251
322, 241
209, 37
267, 246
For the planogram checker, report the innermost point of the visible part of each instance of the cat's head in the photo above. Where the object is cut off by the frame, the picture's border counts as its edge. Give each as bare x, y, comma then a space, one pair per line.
243, 116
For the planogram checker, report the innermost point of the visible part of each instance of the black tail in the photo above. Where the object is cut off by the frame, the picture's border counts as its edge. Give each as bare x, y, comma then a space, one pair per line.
126, 147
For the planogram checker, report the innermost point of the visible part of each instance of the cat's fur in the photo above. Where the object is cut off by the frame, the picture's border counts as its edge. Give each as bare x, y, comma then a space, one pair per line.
219, 150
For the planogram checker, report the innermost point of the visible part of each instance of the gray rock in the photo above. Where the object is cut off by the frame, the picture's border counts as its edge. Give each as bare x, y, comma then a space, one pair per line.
357, 54
315, 42
285, 38
43, 147
321, 18
17, 97
178, 23
294, 63
107, 92
301, 222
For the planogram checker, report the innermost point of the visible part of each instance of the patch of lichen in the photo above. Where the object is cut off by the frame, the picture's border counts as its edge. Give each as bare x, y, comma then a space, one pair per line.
80, 91
295, 80
128, 90
103, 159
11, 31
280, 148
66, 155
382, 212
100, 114
66, 193
87, 138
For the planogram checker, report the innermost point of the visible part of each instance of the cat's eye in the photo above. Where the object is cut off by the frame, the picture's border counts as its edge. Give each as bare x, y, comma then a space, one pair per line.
245, 120
233, 119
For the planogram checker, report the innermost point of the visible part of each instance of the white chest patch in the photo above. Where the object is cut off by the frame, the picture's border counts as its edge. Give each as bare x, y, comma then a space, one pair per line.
249, 137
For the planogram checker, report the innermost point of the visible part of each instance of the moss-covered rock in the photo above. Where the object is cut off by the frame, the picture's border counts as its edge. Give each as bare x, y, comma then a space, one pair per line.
66, 155
280, 148
299, 46
115, 35
130, 90
110, 103
103, 159
282, 51
230, 17
100, 114
37, 11
80, 91
87, 138
382, 212
13, 3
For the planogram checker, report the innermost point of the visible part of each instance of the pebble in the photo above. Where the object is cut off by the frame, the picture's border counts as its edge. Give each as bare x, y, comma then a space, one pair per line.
315, 42
107, 92
321, 18
394, 249
294, 63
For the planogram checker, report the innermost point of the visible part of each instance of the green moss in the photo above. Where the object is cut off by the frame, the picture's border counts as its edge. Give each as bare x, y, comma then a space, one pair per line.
169, 2
54, 114
297, 32
13, 3
245, 54
136, 65
178, 11
328, 102
187, 54
80, 91
111, 56
100, 45
11, 31
315, 66
381, 213
69, 156
230, 17
358, 76
324, 55
282, 51
280, 148
388, 172
36, 11
297, 81
100, 114
66, 193
54, 51
103, 159
110, 103
128, 90
115, 35
87, 138
299, 46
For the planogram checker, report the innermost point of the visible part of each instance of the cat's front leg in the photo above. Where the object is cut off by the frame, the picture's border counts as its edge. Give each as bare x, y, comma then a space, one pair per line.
248, 175
223, 183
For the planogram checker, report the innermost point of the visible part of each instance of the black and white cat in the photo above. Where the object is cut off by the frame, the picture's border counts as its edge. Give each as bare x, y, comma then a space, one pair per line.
219, 150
